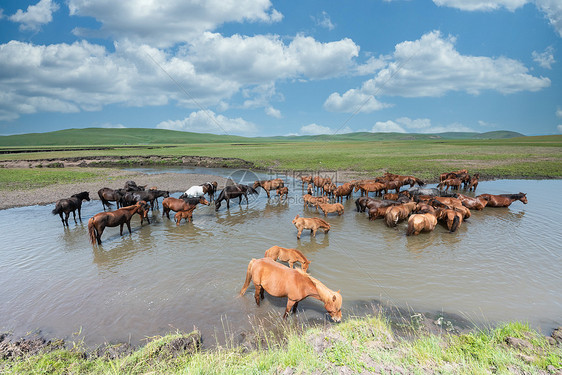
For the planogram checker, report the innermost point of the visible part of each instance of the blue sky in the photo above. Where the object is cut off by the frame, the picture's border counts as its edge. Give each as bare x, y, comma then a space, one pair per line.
260, 67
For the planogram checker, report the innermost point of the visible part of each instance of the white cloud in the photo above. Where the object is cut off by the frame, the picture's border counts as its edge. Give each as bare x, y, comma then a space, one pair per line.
353, 101
324, 21
315, 129
431, 67
165, 23
553, 11
559, 129
273, 112
387, 127
551, 8
209, 122
485, 124
559, 112
266, 57
36, 15
481, 5
112, 126
545, 59
424, 126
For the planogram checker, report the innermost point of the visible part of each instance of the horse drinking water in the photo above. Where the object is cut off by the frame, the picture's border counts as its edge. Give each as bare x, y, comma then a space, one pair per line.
121, 216
281, 281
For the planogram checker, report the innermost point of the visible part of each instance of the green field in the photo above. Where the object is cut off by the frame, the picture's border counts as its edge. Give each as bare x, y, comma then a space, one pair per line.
514, 157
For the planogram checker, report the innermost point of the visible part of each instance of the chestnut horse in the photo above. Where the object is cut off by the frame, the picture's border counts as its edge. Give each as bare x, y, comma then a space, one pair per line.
473, 183
283, 192
344, 190
312, 223
287, 255
397, 213
477, 203
329, 207
418, 223
187, 215
369, 187
281, 281
503, 200
68, 205
451, 217
453, 183
120, 216
268, 185
175, 204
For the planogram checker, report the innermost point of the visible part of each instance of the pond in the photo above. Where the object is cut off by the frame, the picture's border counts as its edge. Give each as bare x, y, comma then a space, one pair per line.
503, 264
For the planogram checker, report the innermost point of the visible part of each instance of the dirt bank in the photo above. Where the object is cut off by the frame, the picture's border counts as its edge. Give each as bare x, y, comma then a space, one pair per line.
116, 178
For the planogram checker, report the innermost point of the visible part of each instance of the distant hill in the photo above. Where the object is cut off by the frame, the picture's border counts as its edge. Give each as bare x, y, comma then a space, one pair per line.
141, 136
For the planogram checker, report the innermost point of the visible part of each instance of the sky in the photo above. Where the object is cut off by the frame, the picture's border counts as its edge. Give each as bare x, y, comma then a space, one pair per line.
264, 68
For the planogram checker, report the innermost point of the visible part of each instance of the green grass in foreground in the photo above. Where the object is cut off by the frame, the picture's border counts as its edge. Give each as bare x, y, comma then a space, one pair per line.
25, 179
359, 344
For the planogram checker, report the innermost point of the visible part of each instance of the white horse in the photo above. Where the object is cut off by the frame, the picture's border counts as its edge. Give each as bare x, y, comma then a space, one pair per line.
194, 192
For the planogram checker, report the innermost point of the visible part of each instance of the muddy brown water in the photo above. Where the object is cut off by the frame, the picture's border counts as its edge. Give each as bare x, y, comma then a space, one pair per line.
503, 264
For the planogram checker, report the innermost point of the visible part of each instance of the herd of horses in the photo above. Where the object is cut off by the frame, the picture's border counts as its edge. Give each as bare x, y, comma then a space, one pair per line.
422, 207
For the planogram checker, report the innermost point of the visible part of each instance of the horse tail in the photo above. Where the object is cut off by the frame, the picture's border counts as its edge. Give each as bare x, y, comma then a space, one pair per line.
390, 219
57, 210
411, 229
248, 278
456, 224
92, 231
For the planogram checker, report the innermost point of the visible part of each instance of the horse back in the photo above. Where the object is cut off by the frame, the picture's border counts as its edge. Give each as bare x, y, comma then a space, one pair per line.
281, 281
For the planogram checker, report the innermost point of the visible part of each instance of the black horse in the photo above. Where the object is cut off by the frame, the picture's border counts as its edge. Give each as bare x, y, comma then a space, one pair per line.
107, 194
68, 205
148, 196
234, 191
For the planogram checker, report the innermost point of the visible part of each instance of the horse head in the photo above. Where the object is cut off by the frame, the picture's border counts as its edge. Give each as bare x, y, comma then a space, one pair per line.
295, 219
333, 306
523, 197
202, 200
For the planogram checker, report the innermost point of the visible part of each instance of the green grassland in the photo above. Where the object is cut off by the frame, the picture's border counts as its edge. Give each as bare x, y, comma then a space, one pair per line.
355, 346
423, 156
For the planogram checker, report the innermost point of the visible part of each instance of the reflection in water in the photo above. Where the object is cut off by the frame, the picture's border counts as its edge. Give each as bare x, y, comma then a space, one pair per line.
163, 275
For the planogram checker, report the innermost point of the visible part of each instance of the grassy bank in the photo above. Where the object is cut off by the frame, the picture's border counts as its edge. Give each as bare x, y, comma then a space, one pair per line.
523, 157
357, 345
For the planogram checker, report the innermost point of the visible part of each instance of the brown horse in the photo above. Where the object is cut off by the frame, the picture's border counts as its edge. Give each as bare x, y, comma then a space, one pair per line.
306, 180
377, 212
68, 205
283, 192
473, 183
331, 207
397, 213
186, 204
187, 215
312, 223
454, 174
369, 187
453, 183
309, 200
477, 203
281, 281
451, 217
268, 185
344, 190
120, 216
503, 200
418, 223
287, 255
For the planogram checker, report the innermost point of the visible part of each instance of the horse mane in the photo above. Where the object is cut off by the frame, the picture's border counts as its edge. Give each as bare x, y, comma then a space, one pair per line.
325, 293
512, 196
191, 201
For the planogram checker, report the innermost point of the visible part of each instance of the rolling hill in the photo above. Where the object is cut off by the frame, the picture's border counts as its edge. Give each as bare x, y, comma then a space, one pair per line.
142, 136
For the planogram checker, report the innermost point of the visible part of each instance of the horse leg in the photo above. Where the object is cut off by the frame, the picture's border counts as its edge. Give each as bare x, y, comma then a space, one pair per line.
299, 234
79, 214
290, 305
128, 225
66, 215
291, 264
295, 307
228, 203
257, 294
121, 229
313, 232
